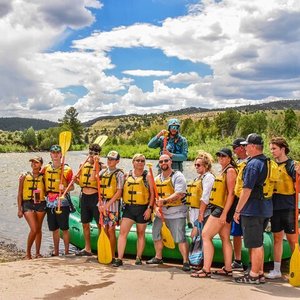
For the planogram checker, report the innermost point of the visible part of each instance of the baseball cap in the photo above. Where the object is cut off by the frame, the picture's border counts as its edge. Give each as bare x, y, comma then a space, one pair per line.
55, 148
37, 159
237, 142
253, 138
113, 155
224, 151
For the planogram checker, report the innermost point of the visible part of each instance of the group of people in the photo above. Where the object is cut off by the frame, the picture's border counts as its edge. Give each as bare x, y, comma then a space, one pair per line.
236, 202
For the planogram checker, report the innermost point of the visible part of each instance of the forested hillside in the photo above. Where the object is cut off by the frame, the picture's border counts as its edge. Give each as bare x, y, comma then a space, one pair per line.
13, 124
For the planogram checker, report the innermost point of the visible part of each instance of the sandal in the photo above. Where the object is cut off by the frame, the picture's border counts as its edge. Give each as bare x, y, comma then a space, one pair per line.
38, 256
223, 272
201, 274
247, 279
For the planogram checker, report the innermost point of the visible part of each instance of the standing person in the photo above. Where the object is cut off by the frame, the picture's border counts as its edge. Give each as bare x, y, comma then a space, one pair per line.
253, 209
236, 229
54, 188
176, 146
198, 190
32, 204
283, 219
112, 182
222, 205
89, 197
138, 197
171, 187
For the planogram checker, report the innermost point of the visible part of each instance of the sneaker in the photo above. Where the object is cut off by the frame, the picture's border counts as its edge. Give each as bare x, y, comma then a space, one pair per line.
247, 279
273, 274
155, 261
235, 265
138, 261
186, 267
117, 263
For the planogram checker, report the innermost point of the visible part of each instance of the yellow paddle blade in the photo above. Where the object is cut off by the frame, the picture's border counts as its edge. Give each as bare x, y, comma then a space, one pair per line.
167, 237
65, 138
100, 140
104, 249
294, 279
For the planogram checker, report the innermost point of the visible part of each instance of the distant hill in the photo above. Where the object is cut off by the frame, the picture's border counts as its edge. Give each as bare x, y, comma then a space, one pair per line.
15, 124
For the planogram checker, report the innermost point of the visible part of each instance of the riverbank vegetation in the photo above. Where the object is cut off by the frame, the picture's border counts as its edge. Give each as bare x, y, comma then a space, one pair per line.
130, 134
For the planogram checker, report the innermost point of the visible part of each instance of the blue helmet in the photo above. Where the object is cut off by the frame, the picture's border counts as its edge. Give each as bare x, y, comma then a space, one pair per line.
174, 122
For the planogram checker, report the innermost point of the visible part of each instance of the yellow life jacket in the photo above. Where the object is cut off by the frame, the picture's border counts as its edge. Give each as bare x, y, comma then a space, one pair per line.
84, 179
30, 184
194, 192
165, 189
219, 191
285, 184
52, 178
239, 179
136, 190
108, 186
272, 178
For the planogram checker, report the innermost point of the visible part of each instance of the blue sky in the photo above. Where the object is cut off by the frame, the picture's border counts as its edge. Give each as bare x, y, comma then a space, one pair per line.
111, 57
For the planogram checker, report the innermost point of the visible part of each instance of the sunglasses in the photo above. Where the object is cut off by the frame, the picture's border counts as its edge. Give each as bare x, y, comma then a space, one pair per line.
140, 160
163, 161
109, 158
222, 155
197, 165
175, 127
93, 152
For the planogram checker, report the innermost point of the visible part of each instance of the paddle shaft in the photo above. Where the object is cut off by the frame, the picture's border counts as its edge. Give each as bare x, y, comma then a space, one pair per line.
155, 191
297, 208
96, 163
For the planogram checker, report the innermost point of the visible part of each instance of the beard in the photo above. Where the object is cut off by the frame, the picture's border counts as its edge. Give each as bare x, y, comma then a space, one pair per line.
165, 167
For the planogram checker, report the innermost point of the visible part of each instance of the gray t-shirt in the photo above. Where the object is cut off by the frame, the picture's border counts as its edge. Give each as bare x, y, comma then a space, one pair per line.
179, 184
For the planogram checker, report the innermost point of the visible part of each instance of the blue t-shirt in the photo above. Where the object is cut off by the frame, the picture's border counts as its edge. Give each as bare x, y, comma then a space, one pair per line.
254, 176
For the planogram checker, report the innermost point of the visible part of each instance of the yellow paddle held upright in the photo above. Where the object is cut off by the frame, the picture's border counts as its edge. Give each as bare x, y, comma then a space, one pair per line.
65, 138
166, 235
103, 244
294, 278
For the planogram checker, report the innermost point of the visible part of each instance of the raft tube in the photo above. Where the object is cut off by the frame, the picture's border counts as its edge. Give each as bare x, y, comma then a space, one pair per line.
77, 239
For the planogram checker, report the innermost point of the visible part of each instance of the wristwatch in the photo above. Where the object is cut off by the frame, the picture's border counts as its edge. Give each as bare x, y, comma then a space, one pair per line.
151, 207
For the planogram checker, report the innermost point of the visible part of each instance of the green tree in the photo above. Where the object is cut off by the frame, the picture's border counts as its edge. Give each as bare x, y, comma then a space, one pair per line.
290, 123
29, 138
71, 122
226, 122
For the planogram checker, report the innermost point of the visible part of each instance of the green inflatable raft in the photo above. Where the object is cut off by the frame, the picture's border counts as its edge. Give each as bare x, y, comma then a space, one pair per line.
77, 239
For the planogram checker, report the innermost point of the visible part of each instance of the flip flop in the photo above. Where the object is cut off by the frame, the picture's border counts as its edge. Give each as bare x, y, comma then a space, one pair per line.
38, 256
223, 272
201, 274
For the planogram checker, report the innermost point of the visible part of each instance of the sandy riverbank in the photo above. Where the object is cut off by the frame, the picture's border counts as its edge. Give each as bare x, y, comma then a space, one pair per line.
71, 277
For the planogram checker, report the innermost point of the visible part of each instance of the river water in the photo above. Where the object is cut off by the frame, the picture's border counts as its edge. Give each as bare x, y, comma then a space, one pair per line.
15, 230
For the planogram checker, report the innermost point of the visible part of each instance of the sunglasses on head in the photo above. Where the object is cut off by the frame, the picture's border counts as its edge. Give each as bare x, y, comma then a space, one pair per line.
163, 161
91, 152
140, 160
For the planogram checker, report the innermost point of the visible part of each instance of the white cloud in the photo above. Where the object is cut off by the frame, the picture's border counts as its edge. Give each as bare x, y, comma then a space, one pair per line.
251, 47
146, 73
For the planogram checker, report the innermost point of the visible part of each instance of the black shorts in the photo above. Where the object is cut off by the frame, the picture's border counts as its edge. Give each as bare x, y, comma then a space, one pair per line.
89, 208
135, 213
283, 220
58, 221
216, 211
29, 205
253, 230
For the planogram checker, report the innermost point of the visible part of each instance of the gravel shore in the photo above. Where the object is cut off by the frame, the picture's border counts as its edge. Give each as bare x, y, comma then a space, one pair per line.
10, 252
